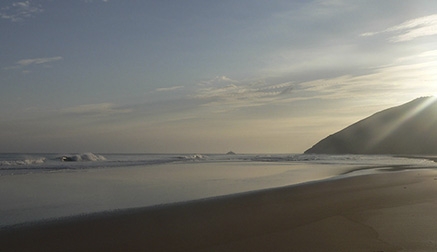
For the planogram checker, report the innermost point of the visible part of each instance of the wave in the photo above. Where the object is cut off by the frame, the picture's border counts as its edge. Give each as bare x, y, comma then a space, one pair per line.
302, 158
15, 164
193, 157
82, 157
30, 161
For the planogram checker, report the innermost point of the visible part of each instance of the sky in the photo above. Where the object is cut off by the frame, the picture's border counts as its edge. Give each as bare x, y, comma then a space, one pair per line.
195, 76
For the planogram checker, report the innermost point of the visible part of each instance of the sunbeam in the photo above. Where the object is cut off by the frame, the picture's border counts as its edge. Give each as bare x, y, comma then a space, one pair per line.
394, 125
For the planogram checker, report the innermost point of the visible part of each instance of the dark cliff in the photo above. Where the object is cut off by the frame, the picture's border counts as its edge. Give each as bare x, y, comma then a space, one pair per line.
407, 129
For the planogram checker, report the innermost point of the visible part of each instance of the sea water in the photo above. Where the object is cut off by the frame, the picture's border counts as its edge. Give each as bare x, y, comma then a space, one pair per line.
35, 187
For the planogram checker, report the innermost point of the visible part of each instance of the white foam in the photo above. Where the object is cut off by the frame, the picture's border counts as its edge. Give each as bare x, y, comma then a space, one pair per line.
22, 162
83, 157
195, 157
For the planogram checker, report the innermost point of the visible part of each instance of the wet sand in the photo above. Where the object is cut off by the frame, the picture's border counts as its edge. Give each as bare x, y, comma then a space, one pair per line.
392, 211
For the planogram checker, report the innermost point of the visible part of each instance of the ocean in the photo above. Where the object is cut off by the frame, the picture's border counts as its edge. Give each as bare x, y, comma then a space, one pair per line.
37, 187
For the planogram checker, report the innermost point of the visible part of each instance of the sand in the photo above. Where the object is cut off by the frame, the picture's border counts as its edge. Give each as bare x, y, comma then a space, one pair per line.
394, 211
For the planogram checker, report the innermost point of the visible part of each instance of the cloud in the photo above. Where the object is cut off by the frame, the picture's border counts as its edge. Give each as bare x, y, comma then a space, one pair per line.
92, 1
218, 80
224, 94
411, 29
19, 11
35, 61
99, 109
168, 88
406, 78
226, 88
385, 85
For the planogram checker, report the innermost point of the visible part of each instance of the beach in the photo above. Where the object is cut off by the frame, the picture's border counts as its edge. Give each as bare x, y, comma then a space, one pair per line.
391, 211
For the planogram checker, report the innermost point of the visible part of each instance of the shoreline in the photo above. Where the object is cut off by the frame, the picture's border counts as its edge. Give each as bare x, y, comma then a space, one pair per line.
352, 172
360, 213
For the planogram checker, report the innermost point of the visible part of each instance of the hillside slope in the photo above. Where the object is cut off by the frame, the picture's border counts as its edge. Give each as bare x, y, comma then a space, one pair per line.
407, 129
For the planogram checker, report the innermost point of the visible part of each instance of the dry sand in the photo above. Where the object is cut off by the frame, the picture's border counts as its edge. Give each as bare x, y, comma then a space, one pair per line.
394, 211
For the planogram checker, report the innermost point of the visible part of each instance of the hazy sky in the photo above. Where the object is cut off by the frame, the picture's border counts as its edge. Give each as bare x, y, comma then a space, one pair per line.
252, 76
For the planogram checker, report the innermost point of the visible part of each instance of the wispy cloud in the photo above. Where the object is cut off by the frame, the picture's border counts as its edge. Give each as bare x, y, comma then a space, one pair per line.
34, 61
225, 94
168, 89
404, 79
37, 61
411, 29
92, 1
244, 91
385, 85
19, 11
99, 109
218, 80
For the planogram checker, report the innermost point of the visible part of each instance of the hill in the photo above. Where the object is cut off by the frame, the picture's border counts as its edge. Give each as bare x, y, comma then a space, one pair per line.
410, 128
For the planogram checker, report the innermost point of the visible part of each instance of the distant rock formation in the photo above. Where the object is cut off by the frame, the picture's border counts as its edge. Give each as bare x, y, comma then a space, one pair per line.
407, 129
231, 153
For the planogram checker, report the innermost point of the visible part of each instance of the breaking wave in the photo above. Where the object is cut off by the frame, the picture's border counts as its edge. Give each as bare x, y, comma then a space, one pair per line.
82, 157
30, 161
15, 164
193, 157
